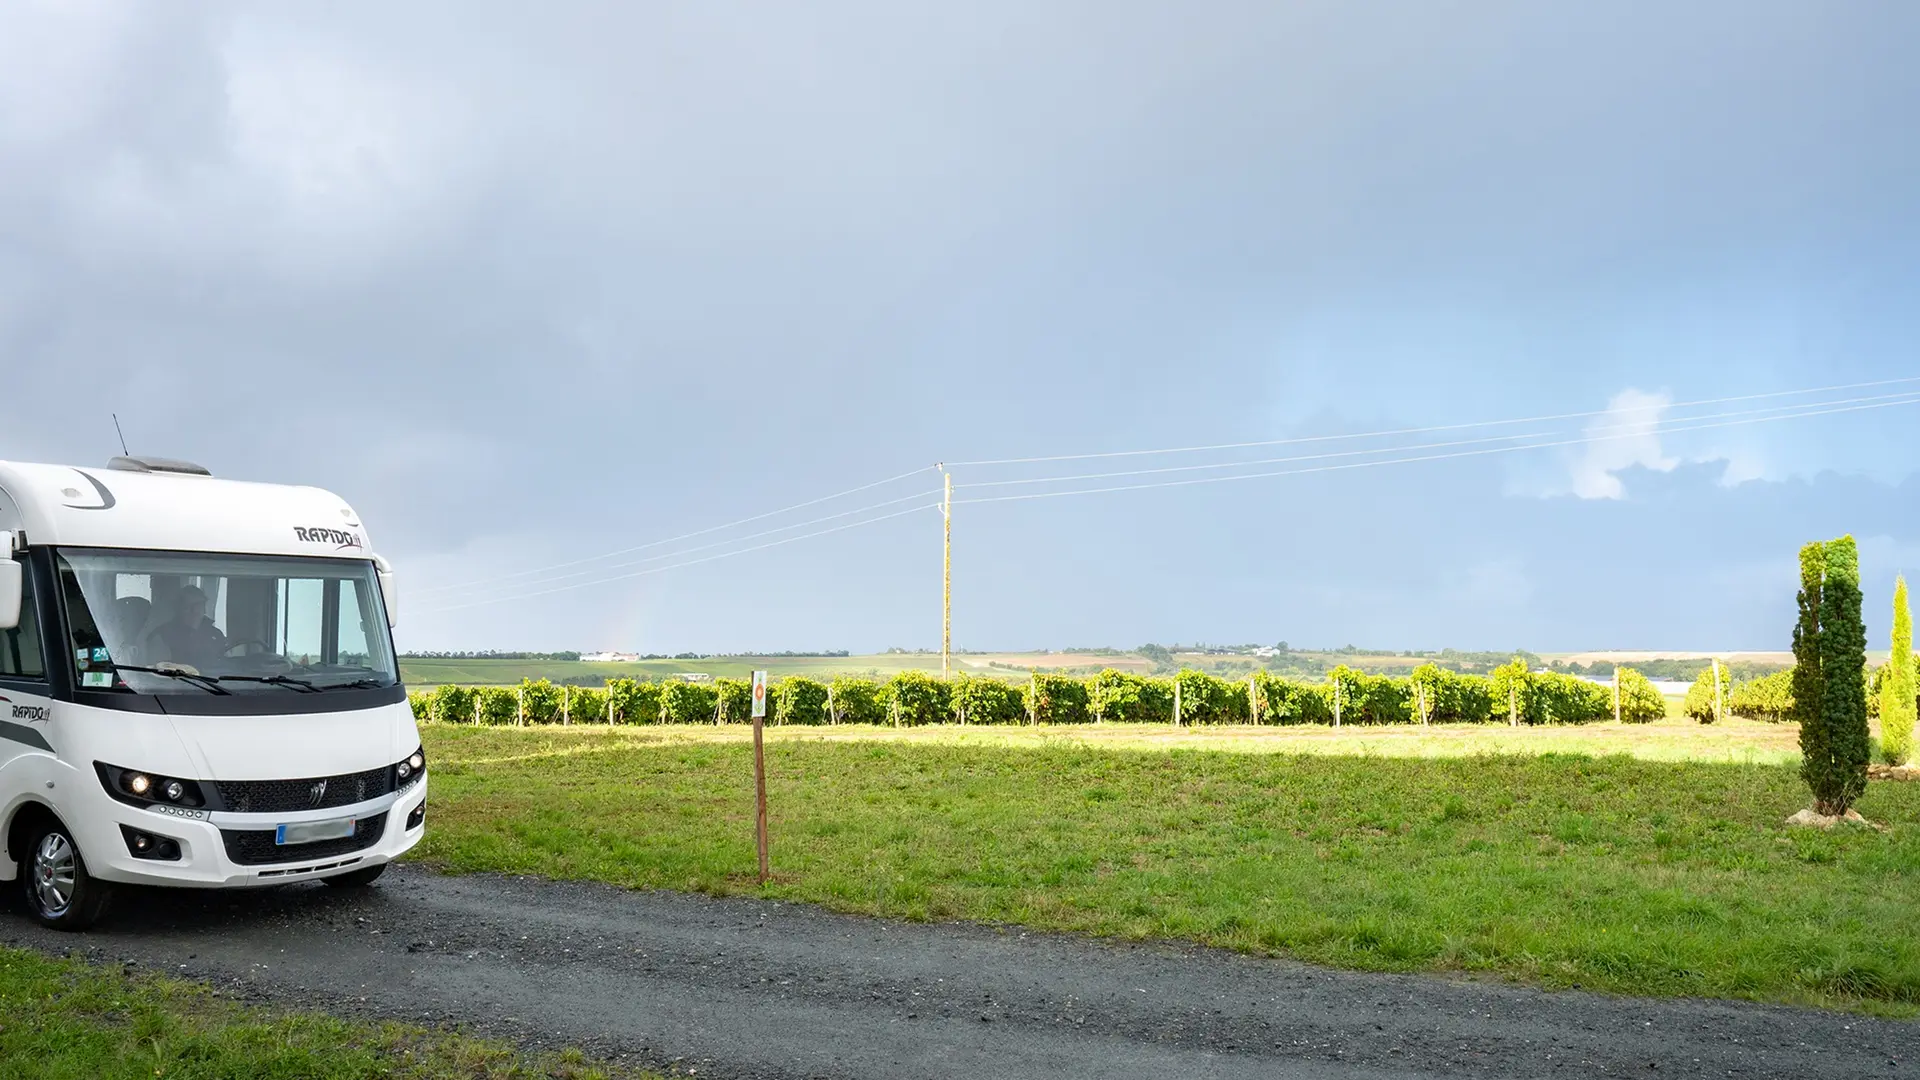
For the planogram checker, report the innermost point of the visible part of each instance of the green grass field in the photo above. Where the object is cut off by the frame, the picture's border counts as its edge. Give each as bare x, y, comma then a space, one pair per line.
1669, 872
70, 1020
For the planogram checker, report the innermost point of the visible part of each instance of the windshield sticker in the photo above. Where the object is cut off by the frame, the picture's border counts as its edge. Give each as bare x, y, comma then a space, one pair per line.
339, 538
97, 678
81, 656
100, 655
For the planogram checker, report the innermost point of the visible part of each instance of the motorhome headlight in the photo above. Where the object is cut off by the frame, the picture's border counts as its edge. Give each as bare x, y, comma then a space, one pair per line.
410, 767
140, 788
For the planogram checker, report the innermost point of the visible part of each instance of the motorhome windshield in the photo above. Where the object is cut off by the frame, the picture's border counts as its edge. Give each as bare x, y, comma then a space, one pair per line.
166, 622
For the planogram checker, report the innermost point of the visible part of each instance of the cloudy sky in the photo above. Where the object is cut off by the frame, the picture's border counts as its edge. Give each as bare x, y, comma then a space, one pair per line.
533, 284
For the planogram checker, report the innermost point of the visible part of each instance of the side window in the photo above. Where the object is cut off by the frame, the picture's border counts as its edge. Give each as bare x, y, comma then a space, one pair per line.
20, 647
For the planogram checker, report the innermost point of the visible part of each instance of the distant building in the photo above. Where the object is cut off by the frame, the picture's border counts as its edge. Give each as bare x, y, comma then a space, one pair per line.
694, 676
610, 657
1266, 652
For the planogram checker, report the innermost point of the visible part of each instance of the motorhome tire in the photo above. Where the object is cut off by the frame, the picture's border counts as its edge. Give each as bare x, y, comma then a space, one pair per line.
60, 893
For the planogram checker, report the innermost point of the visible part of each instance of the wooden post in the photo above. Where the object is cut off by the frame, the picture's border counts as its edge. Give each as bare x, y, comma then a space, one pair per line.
833, 713
1033, 698
1176, 699
1336, 701
476, 708
759, 711
1420, 702
1253, 699
1616, 693
1717, 716
566, 703
519, 706
1513, 706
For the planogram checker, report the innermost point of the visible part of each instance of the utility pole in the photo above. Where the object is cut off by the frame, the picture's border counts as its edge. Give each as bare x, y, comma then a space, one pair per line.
946, 573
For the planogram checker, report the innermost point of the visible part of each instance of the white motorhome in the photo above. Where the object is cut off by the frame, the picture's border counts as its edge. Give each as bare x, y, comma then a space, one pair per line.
197, 687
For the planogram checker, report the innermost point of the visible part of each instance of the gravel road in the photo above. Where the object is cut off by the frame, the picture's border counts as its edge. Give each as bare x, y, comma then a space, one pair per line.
746, 988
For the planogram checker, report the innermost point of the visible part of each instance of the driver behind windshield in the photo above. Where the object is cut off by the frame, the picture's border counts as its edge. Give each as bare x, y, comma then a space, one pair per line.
189, 636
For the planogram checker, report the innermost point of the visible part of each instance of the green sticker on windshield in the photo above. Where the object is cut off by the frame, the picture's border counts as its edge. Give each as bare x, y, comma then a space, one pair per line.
97, 678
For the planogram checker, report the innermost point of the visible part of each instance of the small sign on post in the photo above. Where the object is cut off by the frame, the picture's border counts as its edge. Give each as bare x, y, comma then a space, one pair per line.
760, 771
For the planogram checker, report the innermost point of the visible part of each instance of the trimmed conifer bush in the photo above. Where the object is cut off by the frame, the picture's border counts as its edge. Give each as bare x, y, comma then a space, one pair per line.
1896, 684
1829, 686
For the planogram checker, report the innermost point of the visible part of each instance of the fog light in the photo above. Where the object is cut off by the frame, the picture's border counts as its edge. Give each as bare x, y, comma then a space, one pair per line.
143, 845
174, 790
139, 784
418, 817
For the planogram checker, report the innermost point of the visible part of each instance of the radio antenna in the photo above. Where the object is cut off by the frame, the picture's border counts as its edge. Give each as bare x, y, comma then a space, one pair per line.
117, 431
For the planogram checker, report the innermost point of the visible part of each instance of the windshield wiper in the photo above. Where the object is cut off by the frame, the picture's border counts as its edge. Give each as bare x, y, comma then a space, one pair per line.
209, 683
364, 682
301, 685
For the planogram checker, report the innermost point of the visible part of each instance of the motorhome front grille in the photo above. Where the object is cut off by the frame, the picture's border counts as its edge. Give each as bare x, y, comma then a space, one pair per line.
255, 847
285, 796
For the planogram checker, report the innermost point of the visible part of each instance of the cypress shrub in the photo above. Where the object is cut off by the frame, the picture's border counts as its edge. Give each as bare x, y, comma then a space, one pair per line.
857, 701
1897, 705
1640, 701
1829, 689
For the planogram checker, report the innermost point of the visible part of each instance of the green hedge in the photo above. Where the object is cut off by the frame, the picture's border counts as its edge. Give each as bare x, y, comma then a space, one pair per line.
914, 698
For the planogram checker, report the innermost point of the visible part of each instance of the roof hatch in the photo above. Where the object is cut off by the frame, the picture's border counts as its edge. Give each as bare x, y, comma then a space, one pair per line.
157, 465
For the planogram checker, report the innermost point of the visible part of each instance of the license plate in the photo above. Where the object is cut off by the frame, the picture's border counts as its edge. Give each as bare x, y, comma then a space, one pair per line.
306, 832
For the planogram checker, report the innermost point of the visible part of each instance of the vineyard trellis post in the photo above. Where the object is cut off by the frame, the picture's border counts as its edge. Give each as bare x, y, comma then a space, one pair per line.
1717, 717
1253, 698
1176, 700
1616, 693
833, 713
1336, 701
519, 706
1033, 698
566, 703
1513, 706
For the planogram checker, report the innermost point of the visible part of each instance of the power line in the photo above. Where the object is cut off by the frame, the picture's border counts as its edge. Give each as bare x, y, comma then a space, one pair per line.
1652, 427
684, 536
1425, 457
1427, 430
677, 566
706, 547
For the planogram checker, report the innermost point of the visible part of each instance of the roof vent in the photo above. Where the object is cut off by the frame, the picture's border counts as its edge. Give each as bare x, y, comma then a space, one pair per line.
157, 464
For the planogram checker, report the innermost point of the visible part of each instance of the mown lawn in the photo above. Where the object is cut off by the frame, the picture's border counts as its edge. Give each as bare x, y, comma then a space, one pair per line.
70, 1020
1610, 872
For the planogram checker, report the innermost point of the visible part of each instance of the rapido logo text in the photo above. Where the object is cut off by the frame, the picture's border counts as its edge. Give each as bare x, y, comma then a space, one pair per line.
339, 538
